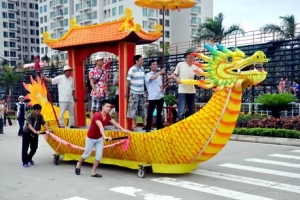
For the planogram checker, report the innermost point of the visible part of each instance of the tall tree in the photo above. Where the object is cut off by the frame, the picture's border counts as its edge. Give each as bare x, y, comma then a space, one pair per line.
8, 78
213, 31
286, 30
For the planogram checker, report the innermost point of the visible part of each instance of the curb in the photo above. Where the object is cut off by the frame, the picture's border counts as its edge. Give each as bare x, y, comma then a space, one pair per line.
266, 140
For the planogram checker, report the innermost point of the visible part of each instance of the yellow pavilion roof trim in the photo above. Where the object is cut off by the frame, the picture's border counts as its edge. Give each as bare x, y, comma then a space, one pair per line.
116, 30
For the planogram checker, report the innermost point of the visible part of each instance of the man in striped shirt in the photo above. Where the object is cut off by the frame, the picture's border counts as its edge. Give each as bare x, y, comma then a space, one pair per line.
135, 92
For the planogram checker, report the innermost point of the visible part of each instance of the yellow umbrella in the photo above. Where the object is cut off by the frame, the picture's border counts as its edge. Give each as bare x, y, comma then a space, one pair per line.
165, 5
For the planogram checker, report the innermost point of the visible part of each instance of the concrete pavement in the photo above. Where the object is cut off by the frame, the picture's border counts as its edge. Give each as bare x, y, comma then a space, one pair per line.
241, 170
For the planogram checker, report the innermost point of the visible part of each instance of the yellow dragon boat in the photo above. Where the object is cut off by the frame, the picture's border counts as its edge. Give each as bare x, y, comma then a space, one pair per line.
178, 148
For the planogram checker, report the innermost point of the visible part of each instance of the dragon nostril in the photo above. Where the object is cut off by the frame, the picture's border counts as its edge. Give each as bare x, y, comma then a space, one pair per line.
257, 57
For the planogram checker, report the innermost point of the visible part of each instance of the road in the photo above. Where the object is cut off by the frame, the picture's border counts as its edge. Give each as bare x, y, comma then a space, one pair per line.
243, 171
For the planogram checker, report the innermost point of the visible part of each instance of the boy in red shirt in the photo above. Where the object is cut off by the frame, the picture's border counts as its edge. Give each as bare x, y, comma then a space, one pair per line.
95, 137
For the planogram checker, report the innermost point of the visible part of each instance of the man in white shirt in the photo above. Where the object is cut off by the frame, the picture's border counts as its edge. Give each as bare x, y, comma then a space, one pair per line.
66, 95
186, 93
153, 80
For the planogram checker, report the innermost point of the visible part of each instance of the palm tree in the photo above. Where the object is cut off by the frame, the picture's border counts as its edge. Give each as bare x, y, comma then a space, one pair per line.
287, 29
212, 30
8, 78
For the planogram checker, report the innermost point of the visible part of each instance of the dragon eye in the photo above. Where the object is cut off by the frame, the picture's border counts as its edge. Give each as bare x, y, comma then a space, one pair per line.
229, 59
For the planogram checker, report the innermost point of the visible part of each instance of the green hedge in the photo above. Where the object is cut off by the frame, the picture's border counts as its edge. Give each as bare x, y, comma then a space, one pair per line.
269, 132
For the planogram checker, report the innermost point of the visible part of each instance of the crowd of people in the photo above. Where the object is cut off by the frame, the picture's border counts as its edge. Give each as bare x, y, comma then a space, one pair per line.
285, 85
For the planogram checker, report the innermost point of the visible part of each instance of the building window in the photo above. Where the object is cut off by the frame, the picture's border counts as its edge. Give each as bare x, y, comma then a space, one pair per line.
167, 23
195, 20
11, 6
5, 25
145, 12
12, 35
6, 53
145, 23
45, 19
167, 12
66, 22
94, 15
196, 9
5, 34
31, 5
4, 5
6, 44
4, 15
12, 44
13, 54
41, 9
114, 12
121, 10
65, 11
12, 25
167, 34
194, 32
11, 16
45, 8
94, 3
41, 20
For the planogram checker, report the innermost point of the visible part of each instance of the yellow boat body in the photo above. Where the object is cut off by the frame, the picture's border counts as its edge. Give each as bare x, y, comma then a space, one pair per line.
178, 148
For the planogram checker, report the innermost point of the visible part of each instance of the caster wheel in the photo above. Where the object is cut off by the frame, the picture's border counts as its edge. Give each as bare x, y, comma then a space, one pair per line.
141, 172
55, 160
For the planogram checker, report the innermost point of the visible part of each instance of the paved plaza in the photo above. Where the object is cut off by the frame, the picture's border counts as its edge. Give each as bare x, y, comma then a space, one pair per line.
241, 171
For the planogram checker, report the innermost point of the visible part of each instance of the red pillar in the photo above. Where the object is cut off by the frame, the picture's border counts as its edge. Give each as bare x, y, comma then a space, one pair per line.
126, 54
78, 74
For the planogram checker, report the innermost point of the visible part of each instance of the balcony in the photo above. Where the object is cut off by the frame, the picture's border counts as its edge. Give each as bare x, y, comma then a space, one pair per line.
58, 15
152, 16
57, 3
57, 27
13, 38
194, 23
14, 19
84, 7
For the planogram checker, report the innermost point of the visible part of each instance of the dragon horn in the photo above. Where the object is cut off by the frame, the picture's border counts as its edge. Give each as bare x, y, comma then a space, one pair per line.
223, 48
198, 64
196, 54
239, 53
212, 50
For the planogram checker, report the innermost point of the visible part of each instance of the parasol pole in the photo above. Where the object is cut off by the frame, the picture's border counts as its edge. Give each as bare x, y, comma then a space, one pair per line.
163, 43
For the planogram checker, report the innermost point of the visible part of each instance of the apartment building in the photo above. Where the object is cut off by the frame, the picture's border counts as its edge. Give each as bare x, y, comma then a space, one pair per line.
180, 26
19, 29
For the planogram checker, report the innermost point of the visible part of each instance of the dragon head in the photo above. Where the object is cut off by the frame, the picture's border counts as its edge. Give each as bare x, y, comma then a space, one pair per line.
226, 69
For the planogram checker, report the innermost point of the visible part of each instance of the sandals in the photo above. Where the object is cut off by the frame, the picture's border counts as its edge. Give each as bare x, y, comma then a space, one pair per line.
77, 170
96, 175
134, 129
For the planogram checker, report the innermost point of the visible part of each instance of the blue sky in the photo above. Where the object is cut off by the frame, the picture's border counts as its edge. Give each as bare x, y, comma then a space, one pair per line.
253, 14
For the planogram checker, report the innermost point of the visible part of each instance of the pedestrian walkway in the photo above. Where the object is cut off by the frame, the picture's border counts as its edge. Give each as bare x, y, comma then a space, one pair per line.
277, 185
242, 171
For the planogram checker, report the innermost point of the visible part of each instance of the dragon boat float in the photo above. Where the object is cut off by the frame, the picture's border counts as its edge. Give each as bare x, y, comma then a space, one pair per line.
180, 147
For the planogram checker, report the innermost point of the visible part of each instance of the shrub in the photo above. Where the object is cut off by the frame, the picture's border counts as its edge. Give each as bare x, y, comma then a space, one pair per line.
170, 99
270, 132
88, 114
276, 102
